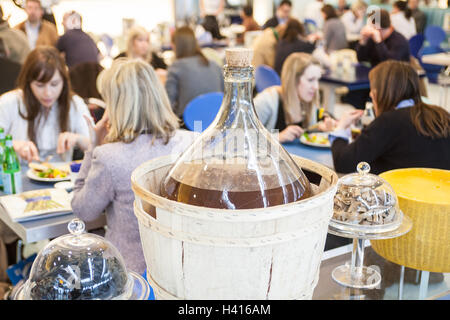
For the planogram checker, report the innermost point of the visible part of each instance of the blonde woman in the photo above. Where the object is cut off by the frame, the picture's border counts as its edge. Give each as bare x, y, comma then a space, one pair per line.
291, 107
138, 125
353, 19
139, 47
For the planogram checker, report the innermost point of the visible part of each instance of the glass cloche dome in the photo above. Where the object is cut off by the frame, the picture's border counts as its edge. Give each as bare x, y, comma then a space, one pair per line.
81, 266
365, 202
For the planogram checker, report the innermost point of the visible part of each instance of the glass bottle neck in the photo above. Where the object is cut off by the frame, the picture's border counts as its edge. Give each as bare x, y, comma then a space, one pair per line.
238, 109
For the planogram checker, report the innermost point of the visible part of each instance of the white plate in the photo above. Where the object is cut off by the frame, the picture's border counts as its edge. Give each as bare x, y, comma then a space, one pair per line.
65, 166
319, 145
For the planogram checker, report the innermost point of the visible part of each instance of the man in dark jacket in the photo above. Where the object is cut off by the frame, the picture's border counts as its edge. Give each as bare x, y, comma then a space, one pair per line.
281, 16
380, 42
76, 45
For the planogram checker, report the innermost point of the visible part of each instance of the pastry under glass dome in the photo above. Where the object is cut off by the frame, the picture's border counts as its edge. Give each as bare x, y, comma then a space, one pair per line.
365, 203
81, 266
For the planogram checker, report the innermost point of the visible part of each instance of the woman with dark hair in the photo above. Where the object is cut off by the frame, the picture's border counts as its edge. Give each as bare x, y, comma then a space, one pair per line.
191, 74
402, 19
209, 11
333, 30
406, 131
292, 40
42, 114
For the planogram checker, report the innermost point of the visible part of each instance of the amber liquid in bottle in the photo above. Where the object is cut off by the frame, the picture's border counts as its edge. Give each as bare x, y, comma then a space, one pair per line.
211, 197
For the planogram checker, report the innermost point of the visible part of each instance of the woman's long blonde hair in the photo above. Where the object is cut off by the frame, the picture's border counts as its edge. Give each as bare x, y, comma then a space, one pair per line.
133, 33
294, 66
136, 102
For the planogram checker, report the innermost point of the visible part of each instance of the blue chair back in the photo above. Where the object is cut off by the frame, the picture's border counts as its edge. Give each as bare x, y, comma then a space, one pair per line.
431, 70
265, 77
415, 44
435, 35
203, 108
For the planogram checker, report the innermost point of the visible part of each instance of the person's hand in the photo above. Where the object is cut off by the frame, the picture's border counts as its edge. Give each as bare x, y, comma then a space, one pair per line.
66, 141
313, 37
328, 124
348, 119
376, 36
291, 133
366, 33
26, 150
98, 132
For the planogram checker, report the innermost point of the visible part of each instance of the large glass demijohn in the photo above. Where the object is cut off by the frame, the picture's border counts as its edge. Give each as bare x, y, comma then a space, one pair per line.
236, 163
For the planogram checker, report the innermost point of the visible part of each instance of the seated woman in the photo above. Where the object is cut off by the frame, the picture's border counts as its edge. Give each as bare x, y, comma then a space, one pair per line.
138, 125
292, 40
353, 19
334, 36
291, 107
139, 47
405, 133
43, 115
191, 74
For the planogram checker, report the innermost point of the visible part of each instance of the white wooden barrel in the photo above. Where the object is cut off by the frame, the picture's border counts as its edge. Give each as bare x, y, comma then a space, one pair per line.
202, 253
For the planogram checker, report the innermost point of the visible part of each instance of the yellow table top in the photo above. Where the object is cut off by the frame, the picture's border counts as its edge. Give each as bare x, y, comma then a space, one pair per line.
420, 184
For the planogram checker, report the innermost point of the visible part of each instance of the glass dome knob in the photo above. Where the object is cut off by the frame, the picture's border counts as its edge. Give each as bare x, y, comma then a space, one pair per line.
363, 168
76, 227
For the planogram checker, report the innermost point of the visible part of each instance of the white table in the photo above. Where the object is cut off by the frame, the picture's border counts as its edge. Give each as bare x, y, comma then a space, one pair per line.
48, 228
352, 37
441, 59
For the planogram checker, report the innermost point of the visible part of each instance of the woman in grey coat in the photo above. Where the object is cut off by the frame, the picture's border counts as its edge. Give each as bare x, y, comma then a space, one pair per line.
192, 74
334, 36
138, 125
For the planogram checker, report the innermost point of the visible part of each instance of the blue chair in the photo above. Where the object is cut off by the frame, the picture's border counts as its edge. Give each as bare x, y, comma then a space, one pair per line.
203, 108
265, 77
415, 44
435, 35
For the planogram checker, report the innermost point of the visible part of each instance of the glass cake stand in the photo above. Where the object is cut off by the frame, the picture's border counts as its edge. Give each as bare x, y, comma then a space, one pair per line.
355, 274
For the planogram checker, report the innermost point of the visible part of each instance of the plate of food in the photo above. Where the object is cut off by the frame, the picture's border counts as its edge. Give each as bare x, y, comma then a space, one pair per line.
316, 139
49, 172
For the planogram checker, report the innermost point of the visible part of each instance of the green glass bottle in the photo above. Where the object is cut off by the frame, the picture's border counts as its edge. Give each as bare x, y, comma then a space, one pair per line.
12, 176
2, 155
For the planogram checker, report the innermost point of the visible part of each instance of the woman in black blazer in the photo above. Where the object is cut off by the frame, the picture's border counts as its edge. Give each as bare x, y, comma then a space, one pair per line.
405, 133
